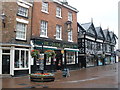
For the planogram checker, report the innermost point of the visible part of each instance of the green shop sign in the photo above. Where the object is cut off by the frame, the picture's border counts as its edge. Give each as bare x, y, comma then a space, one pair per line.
56, 44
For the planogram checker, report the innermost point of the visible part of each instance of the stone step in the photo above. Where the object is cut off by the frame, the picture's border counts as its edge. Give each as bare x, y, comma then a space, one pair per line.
5, 76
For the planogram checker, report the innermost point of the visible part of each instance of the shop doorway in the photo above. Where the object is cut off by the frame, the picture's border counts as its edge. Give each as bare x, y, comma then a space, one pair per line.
5, 64
58, 59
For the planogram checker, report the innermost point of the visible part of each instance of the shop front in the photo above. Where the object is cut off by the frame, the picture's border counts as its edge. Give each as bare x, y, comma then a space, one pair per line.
90, 61
66, 54
107, 59
14, 60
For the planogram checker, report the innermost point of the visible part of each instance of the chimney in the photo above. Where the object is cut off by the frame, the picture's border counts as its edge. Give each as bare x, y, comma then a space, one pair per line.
65, 2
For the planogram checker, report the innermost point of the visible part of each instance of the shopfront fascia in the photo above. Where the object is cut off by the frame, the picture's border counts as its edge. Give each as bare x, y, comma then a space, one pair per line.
10, 63
68, 50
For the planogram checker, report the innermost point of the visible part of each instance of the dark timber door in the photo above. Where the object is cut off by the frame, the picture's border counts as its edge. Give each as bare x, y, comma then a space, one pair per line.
5, 64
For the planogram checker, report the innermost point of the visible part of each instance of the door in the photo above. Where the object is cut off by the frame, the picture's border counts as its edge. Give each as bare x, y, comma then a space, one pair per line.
5, 64
58, 60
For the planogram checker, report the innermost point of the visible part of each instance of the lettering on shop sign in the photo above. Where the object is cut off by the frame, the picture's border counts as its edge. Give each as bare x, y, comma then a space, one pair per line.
56, 44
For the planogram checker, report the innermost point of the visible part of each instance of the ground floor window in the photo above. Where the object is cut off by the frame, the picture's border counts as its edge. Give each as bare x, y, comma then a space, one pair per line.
90, 61
112, 59
107, 60
70, 57
100, 61
48, 60
21, 59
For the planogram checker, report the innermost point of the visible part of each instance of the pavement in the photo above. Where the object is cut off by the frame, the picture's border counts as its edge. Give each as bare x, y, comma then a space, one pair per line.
93, 77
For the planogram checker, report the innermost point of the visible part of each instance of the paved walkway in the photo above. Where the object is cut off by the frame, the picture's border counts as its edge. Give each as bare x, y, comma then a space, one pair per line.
93, 77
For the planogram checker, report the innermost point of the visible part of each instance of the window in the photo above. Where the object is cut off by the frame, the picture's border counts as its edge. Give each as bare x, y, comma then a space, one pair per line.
45, 7
21, 31
58, 12
69, 16
70, 36
58, 32
21, 59
22, 11
43, 32
70, 56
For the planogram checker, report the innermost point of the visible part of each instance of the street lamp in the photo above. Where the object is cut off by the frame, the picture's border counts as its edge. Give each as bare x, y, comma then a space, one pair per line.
41, 60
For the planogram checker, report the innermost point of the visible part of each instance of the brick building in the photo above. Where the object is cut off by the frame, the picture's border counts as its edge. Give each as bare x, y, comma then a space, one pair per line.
54, 27
16, 34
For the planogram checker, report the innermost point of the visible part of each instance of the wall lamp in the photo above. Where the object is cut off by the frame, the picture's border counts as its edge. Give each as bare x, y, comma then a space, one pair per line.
3, 16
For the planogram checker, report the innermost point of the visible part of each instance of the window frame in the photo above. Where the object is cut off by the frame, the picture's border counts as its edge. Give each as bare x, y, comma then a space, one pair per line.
58, 12
19, 30
26, 59
45, 7
59, 30
70, 16
20, 9
43, 28
70, 36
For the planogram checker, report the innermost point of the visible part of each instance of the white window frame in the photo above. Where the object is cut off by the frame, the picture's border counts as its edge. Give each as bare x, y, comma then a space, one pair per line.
18, 31
20, 67
70, 38
22, 11
45, 7
58, 12
70, 16
58, 32
43, 28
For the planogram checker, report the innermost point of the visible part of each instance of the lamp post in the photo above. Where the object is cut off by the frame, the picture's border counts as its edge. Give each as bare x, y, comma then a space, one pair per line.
41, 60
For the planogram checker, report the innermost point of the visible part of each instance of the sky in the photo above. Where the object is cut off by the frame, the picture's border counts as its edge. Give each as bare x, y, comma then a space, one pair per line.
103, 12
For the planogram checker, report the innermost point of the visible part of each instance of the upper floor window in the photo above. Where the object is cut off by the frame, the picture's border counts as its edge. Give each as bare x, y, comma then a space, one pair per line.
69, 16
44, 25
22, 11
45, 7
21, 31
70, 36
58, 32
58, 12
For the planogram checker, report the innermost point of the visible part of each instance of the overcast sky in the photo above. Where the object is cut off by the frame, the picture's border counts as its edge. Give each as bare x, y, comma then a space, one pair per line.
104, 12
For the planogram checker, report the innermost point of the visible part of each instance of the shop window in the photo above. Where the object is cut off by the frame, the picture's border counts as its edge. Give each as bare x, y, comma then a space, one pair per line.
48, 61
21, 59
5, 51
70, 57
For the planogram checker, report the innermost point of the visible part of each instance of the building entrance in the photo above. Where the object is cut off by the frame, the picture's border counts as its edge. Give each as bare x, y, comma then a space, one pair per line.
5, 64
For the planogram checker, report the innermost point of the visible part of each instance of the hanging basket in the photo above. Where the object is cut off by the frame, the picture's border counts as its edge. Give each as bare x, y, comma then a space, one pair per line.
50, 53
34, 53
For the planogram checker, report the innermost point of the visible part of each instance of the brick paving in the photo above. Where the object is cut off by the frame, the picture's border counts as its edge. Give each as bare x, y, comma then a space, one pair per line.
93, 77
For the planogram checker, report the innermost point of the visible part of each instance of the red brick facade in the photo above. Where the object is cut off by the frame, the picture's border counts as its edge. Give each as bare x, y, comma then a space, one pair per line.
52, 20
10, 9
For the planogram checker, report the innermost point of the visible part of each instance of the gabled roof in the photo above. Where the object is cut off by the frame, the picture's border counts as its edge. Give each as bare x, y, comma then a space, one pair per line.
99, 32
106, 34
89, 29
113, 36
86, 25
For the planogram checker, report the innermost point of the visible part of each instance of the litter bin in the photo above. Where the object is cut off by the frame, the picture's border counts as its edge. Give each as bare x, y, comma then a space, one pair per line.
65, 72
